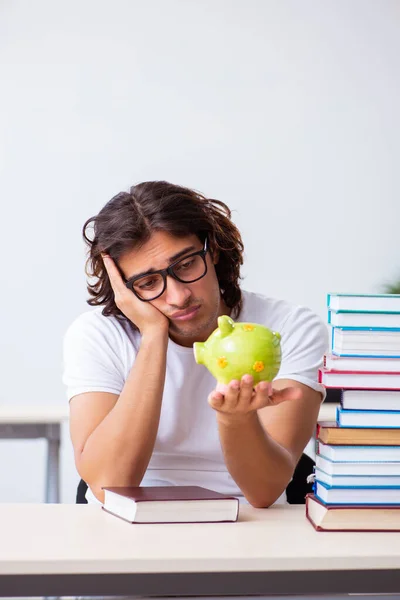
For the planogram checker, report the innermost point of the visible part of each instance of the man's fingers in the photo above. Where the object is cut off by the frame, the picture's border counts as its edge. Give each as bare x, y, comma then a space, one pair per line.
116, 281
267, 396
246, 392
261, 398
241, 396
265, 388
231, 395
289, 393
221, 387
216, 399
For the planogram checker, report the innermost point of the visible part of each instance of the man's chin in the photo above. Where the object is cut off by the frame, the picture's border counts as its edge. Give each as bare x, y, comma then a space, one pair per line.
198, 331
183, 330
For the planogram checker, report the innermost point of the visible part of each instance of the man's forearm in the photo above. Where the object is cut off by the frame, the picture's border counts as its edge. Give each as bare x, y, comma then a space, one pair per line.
119, 449
261, 467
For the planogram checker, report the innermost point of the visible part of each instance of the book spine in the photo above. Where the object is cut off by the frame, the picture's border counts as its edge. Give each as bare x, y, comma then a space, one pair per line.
308, 516
338, 415
332, 339
355, 355
372, 329
314, 486
365, 312
328, 300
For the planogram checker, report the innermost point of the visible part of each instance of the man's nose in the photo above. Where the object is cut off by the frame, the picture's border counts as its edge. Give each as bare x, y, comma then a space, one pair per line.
177, 293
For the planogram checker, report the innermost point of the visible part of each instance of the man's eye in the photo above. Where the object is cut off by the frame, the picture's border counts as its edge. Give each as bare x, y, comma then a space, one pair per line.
185, 265
147, 285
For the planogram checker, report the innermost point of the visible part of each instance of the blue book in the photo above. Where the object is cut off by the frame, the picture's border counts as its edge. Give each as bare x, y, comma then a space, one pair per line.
357, 495
357, 481
382, 419
360, 454
373, 468
364, 320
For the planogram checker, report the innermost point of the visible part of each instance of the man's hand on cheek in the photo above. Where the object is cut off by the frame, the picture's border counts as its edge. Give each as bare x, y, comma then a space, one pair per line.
239, 399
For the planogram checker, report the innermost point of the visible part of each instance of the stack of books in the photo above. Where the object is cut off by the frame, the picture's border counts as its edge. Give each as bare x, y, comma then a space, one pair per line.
357, 470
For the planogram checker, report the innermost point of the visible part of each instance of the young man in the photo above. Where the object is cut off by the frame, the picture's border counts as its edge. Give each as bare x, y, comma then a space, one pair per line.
164, 263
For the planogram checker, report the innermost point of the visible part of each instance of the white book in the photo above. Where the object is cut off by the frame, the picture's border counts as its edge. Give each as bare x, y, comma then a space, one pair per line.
359, 453
365, 342
367, 352
357, 468
363, 319
357, 495
340, 481
333, 362
371, 400
344, 379
364, 302
368, 418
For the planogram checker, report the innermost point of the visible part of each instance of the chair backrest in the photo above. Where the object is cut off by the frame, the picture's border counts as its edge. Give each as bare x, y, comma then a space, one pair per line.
80, 492
298, 488
295, 492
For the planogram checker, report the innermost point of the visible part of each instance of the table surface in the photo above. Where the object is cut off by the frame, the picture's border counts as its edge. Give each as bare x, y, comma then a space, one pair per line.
64, 539
56, 414
33, 414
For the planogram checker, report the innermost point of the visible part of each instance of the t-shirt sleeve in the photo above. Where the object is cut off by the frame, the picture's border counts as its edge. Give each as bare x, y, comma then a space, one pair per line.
304, 342
92, 357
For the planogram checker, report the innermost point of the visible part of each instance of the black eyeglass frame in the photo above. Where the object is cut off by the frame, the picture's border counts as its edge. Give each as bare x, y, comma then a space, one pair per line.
170, 271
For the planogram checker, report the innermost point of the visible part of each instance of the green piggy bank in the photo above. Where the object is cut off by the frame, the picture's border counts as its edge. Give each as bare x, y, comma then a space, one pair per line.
237, 349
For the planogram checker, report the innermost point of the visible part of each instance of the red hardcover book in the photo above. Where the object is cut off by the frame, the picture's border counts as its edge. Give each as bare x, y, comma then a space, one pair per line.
358, 380
354, 517
170, 504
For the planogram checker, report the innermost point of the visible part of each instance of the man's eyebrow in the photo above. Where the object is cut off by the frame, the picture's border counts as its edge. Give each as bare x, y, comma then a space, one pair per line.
171, 260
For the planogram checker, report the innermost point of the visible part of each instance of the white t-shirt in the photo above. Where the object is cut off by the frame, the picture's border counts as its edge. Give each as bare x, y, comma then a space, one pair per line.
99, 353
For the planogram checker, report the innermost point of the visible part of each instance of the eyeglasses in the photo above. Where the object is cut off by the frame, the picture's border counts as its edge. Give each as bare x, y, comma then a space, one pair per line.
189, 269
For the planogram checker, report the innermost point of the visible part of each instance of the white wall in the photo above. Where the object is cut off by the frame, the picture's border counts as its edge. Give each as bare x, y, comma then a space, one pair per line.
286, 110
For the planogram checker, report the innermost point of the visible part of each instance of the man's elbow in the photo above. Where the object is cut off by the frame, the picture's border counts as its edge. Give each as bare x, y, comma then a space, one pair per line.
261, 503
264, 500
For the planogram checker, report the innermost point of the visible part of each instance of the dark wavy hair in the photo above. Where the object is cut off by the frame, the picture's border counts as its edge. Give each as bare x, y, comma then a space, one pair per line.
129, 219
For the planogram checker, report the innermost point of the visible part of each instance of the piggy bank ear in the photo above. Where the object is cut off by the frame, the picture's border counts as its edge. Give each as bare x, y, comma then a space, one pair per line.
225, 325
277, 335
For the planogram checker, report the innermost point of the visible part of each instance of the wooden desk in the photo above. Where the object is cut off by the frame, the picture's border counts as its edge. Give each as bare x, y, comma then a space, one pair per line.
73, 550
31, 422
